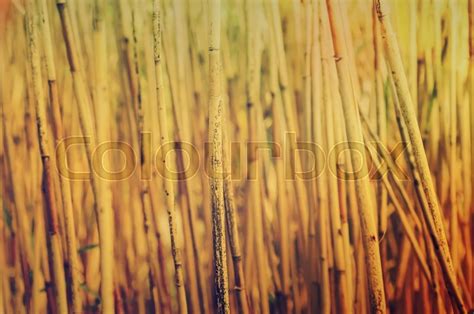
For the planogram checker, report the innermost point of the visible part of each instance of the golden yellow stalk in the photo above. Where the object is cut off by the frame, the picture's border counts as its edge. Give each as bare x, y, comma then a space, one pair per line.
322, 182
454, 227
343, 217
102, 204
335, 215
354, 135
151, 233
334, 135
381, 119
195, 280
253, 50
168, 188
233, 232
71, 245
320, 96
282, 202
402, 216
216, 169
102, 105
409, 117
288, 107
51, 216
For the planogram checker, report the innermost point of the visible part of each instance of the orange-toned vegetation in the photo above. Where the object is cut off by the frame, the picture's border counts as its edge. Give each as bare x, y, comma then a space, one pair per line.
247, 156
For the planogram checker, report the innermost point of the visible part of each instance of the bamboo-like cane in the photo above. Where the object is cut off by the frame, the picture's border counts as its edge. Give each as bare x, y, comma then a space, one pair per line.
334, 136
408, 113
454, 228
253, 105
102, 105
102, 204
354, 134
328, 114
288, 106
144, 155
307, 136
381, 118
277, 72
192, 253
233, 232
70, 230
51, 215
168, 188
321, 95
402, 216
277, 131
216, 180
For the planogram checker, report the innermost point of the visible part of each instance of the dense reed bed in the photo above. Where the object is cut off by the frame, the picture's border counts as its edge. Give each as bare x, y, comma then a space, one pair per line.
248, 156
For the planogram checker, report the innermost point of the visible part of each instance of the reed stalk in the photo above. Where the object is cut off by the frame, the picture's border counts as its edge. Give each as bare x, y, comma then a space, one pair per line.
70, 231
409, 117
215, 158
354, 134
102, 204
51, 210
168, 188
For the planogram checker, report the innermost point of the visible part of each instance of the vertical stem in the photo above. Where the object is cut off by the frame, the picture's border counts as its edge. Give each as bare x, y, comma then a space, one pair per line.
282, 202
51, 216
408, 113
354, 134
471, 125
454, 226
216, 180
102, 204
149, 225
233, 233
61, 153
168, 188
102, 109
102, 105
322, 182
381, 118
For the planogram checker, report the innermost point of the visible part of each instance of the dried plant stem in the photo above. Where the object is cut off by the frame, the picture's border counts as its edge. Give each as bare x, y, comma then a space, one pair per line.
278, 130
354, 134
255, 203
454, 228
51, 215
195, 280
71, 245
102, 204
344, 305
216, 179
321, 95
381, 119
292, 124
288, 107
102, 105
410, 233
233, 232
168, 187
149, 221
434, 216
